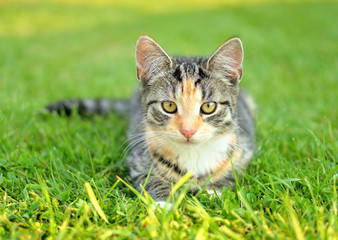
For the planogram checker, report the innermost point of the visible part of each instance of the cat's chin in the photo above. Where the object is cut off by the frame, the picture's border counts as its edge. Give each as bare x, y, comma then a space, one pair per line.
189, 143
193, 142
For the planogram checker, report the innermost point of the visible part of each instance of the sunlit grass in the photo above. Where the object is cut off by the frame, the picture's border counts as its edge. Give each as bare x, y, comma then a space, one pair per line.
26, 18
52, 50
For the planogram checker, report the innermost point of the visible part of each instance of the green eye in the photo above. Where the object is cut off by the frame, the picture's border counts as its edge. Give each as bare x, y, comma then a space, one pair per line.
208, 107
169, 107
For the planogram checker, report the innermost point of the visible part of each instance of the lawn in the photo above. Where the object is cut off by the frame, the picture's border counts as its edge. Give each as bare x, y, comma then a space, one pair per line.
52, 50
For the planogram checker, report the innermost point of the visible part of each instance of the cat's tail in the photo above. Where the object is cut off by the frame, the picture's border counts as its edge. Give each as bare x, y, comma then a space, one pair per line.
87, 107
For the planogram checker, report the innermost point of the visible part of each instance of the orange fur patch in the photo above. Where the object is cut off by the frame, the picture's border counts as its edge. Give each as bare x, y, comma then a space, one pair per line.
189, 100
188, 88
225, 164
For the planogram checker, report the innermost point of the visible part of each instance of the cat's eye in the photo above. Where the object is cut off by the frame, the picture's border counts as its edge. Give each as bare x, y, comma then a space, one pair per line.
208, 107
169, 106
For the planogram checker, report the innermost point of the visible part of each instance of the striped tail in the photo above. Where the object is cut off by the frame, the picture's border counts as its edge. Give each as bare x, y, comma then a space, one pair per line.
87, 107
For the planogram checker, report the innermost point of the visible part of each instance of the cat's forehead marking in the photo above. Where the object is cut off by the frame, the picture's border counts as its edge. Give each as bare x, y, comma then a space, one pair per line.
188, 88
187, 68
189, 97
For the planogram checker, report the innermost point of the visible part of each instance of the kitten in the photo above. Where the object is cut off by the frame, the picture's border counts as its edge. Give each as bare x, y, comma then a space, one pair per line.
188, 114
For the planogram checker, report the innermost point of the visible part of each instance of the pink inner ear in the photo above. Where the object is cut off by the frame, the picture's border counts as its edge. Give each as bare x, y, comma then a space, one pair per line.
142, 54
236, 76
139, 73
240, 72
150, 56
228, 58
238, 57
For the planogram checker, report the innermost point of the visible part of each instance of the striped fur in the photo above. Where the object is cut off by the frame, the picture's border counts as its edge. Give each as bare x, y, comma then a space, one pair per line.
85, 107
220, 141
223, 139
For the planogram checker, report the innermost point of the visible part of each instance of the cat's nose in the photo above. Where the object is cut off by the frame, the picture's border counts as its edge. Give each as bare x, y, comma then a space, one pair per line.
188, 133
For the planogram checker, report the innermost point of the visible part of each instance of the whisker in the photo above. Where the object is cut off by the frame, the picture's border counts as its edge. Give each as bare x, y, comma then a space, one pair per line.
251, 138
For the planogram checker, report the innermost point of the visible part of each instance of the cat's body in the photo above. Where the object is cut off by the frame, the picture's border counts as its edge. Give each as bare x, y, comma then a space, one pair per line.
187, 115
171, 161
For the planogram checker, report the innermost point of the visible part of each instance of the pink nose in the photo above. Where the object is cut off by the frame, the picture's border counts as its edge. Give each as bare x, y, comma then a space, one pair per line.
188, 133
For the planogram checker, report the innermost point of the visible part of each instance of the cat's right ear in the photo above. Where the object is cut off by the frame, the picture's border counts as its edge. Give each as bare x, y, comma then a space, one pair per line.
228, 60
150, 58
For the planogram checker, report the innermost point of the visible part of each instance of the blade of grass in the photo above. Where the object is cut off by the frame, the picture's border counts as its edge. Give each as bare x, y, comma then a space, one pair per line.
137, 193
250, 210
94, 201
294, 220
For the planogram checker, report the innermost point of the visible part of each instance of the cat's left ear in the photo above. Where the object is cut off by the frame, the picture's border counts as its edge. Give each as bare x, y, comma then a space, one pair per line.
150, 58
228, 60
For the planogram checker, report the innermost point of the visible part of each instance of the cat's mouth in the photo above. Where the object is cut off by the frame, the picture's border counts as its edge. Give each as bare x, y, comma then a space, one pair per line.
187, 142
180, 140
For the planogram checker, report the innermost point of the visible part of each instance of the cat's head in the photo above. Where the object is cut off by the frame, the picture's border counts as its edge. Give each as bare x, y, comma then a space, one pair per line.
189, 100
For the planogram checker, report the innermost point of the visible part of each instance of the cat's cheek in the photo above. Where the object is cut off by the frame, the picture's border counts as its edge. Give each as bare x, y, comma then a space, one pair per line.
173, 127
205, 132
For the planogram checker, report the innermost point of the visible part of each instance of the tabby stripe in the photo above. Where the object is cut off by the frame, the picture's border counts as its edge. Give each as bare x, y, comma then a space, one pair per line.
178, 74
210, 93
227, 123
230, 179
151, 103
225, 103
154, 185
198, 81
139, 178
174, 166
203, 92
159, 116
163, 190
201, 73
215, 116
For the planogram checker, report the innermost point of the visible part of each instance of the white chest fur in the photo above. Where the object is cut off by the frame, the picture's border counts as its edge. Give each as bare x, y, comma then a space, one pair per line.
203, 158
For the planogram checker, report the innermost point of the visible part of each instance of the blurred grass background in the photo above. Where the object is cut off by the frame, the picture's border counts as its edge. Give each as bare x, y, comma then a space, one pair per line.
58, 49
51, 50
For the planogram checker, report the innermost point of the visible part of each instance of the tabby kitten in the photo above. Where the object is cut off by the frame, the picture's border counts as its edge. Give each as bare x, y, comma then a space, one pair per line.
188, 114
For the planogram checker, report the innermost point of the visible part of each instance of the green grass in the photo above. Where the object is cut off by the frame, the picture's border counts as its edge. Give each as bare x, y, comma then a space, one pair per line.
54, 50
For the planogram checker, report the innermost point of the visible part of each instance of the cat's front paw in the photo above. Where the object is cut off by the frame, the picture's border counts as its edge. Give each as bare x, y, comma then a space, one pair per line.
162, 204
213, 193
